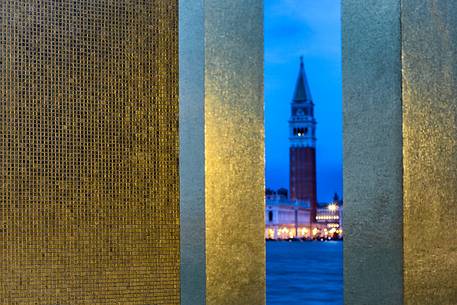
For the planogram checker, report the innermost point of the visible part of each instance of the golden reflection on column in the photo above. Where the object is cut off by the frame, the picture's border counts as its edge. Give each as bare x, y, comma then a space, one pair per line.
234, 148
429, 47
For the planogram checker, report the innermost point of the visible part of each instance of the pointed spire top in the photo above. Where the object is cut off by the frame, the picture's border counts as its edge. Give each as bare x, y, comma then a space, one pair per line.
302, 92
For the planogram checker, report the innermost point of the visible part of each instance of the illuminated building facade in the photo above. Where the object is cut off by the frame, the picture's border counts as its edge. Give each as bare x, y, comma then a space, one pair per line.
329, 217
285, 219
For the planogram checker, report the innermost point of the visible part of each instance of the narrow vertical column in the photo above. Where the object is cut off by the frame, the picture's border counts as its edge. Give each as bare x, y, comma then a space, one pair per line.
234, 152
429, 45
222, 152
372, 152
192, 151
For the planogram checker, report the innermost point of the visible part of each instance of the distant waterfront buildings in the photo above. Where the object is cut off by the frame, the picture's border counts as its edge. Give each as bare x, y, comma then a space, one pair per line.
299, 215
288, 219
284, 218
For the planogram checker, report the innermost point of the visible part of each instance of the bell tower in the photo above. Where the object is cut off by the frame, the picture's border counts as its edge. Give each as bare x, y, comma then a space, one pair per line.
302, 138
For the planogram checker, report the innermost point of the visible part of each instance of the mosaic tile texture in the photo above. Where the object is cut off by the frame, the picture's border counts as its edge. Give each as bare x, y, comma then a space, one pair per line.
89, 203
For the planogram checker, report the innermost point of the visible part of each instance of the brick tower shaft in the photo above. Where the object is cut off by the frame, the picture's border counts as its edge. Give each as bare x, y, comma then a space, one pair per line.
303, 176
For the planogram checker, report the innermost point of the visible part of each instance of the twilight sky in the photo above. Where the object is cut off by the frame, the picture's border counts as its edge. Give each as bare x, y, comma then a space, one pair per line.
310, 28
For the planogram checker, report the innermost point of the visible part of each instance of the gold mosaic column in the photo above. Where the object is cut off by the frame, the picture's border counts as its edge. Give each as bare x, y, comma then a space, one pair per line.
429, 49
400, 119
222, 152
89, 184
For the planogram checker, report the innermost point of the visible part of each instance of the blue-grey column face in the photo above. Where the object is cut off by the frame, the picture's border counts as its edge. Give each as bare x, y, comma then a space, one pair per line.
192, 151
372, 152
429, 49
222, 152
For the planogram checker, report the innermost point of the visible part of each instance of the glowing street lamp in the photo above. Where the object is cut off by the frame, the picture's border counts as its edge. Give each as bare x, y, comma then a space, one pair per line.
332, 207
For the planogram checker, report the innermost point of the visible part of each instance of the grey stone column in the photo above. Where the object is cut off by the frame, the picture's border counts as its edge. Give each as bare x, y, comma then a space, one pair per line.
372, 113
222, 152
400, 144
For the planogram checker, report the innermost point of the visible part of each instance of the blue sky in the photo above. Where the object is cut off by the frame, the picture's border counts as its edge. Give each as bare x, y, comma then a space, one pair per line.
310, 28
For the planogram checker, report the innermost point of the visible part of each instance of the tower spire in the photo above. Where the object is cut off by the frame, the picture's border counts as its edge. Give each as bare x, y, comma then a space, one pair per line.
302, 92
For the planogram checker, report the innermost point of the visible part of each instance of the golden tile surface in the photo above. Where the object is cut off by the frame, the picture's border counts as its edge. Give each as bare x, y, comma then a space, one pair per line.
429, 40
89, 185
234, 153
